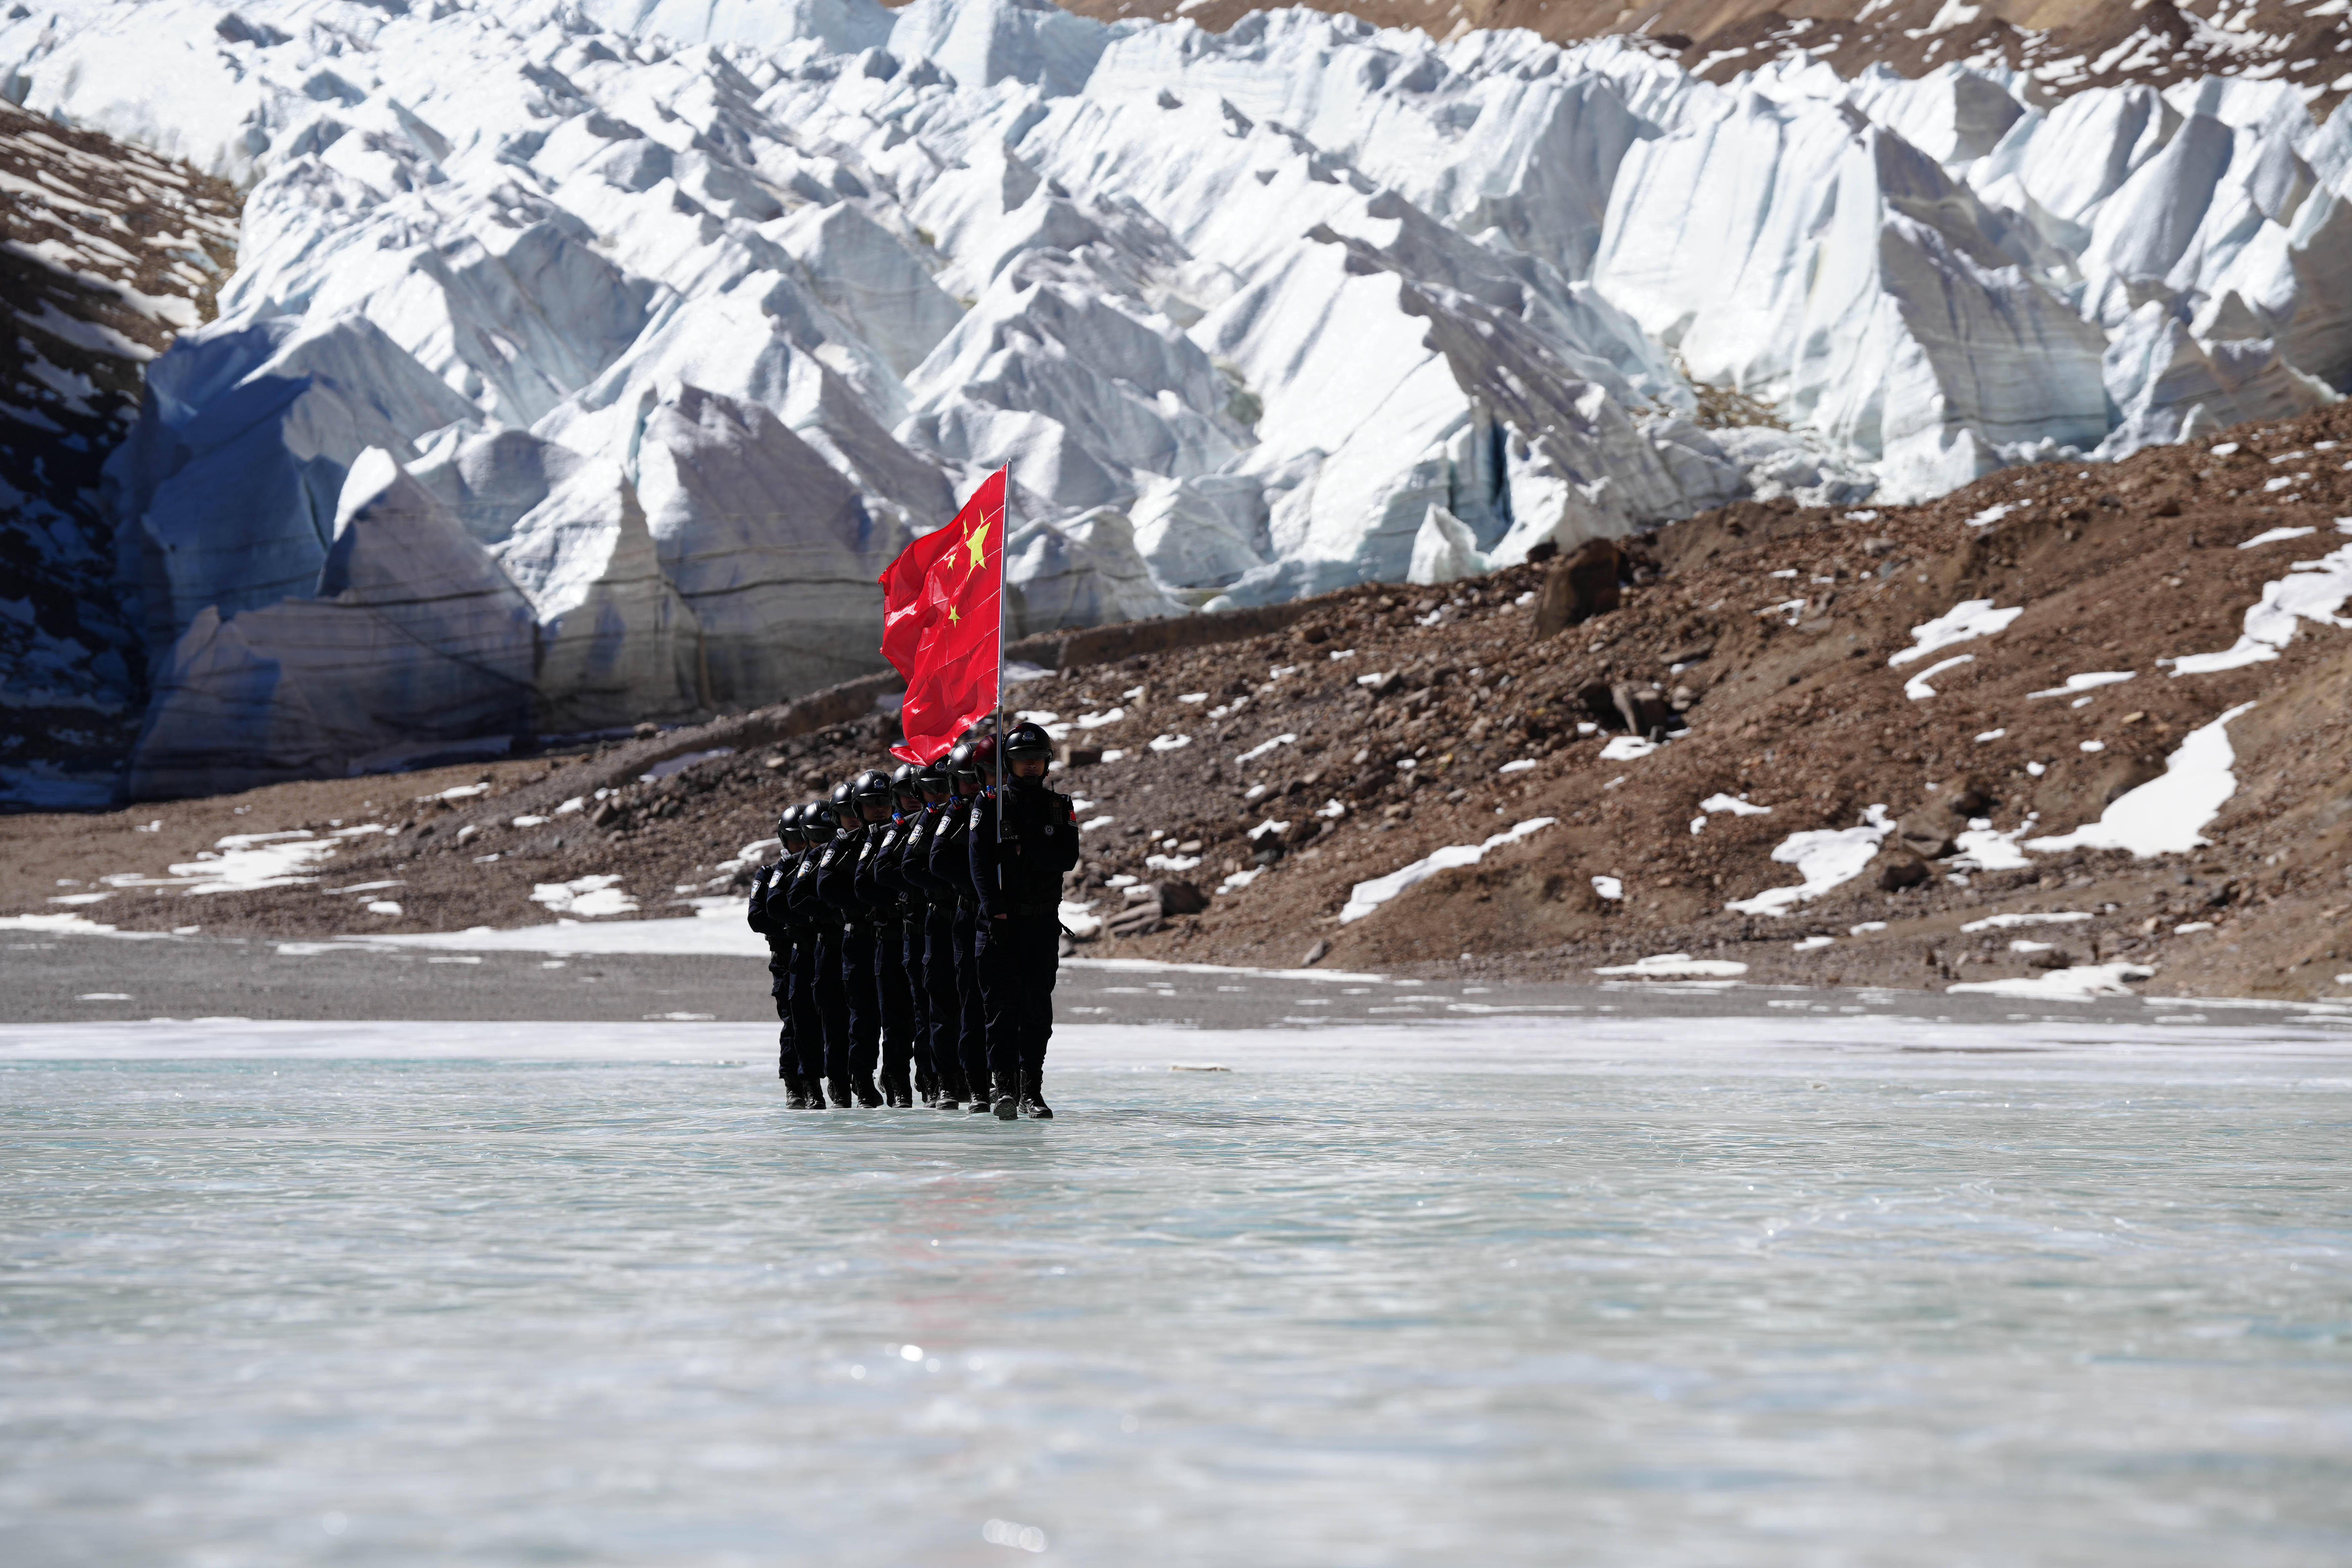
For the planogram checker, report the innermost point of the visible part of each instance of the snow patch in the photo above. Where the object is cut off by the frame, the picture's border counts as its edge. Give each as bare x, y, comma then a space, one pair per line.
1964, 621
1826, 858
2083, 983
2163, 816
1367, 897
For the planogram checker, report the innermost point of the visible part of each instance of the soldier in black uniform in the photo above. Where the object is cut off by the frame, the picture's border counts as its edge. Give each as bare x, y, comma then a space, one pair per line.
937, 970
769, 918
1019, 879
879, 884
915, 902
819, 1009
951, 864
850, 1056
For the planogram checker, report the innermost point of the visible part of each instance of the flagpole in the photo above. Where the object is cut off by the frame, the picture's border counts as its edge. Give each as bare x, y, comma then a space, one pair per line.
1003, 554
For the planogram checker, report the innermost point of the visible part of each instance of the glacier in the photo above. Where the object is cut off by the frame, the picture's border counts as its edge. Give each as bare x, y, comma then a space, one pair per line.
585, 362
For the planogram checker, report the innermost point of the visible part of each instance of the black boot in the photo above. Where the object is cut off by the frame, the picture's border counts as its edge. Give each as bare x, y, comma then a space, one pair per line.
812, 1094
1032, 1096
895, 1092
1008, 1104
837, 1091
795, 1095
980, 1100
862, 1086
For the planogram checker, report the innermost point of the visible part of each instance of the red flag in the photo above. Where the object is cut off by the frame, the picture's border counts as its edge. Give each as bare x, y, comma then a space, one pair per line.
942, 622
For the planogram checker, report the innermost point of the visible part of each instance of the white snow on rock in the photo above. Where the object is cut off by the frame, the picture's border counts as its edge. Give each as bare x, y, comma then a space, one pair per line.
2163, 816
2010, 921
2083, 983
1964, 621
1366, 897
1676, 966
584, 896
586, 364
2076, 684
1917, 690
2313, 591
1827, 857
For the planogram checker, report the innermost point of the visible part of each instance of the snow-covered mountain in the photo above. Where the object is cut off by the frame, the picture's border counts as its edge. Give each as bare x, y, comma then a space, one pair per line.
585, 362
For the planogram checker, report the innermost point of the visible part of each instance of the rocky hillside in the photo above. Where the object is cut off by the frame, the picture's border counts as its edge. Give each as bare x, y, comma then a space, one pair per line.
107, 253
2067, 727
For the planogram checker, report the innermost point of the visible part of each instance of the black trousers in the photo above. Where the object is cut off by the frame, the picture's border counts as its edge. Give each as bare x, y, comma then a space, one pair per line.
942, 1015
807, 1020
918, 1000
972, 1013
895, 1000
831, 991
1019, 957
863, 984
780, 990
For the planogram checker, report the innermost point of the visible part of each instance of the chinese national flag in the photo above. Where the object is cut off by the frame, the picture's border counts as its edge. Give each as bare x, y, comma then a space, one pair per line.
942, 603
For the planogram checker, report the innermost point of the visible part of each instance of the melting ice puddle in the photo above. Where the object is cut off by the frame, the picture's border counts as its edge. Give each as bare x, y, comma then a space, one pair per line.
1426, 1294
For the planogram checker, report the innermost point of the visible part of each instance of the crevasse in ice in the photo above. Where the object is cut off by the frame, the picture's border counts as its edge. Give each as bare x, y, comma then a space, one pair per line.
587, 362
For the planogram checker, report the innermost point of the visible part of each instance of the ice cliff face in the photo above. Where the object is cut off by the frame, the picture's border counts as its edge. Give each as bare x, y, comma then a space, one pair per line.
586, 362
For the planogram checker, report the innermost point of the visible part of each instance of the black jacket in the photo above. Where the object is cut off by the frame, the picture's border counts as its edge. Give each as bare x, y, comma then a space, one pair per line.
837, 875
802, 903
950, 850
938, 895
1023, 873
893, 893
770, 913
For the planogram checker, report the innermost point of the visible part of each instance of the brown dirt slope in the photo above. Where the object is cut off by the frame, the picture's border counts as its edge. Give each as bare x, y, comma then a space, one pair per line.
1782, 620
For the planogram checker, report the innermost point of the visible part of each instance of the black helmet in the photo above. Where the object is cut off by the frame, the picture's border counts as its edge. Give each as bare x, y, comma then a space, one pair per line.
1027, 741
906, 787
842, 804
937, 781
871, 784
788, 828
970, 758
816, 822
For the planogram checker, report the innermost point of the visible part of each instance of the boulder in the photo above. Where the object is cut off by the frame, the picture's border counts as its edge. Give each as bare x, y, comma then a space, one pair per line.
1578, 588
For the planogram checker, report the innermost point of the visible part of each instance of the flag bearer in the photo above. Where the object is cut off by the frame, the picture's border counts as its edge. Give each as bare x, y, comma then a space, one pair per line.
935, 963
1019, 879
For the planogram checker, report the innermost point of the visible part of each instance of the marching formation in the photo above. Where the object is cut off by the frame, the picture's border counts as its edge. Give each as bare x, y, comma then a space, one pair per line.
913, 925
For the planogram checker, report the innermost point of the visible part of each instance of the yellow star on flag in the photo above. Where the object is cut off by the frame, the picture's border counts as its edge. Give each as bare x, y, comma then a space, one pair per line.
954, 620
978, 539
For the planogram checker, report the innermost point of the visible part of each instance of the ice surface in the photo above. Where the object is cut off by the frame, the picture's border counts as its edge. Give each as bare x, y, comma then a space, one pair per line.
688, 316
2163, 815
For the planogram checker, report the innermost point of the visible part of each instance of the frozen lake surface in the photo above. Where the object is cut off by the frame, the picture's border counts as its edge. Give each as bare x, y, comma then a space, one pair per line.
1736, 1291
